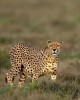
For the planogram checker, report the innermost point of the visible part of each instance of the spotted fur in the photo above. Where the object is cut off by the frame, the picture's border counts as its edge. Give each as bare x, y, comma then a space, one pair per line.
31, 62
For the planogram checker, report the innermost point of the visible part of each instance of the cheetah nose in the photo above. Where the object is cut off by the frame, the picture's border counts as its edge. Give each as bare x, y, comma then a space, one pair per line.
54, 49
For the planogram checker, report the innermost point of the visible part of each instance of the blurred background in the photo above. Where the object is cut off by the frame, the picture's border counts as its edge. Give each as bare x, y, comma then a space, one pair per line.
35, 22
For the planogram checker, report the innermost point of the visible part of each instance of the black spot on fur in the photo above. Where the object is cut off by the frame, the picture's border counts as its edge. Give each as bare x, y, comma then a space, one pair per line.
23, 74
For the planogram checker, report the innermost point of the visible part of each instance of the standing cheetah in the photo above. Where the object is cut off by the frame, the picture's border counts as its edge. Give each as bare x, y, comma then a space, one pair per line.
31, 62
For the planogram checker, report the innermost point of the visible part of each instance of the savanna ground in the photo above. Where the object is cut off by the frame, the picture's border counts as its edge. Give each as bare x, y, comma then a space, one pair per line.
35, 22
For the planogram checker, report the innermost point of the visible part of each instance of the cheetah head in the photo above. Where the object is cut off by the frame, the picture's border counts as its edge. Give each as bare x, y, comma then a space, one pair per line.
54, 47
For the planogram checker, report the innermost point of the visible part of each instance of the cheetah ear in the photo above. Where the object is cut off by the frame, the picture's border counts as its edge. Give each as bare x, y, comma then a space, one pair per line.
49, 41
61, 42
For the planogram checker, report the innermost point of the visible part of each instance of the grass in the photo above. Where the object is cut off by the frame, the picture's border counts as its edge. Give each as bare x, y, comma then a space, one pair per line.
35, 26
67, 24
70, 55
61, 89
4, 59
6, 41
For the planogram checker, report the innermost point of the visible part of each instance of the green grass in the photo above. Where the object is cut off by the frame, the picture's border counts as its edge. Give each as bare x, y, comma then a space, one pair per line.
6, 41
36, 26
70, 55
61, 89
67, 24
4, 59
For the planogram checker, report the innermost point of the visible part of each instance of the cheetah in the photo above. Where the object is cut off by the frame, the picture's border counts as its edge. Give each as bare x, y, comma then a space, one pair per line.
28, 61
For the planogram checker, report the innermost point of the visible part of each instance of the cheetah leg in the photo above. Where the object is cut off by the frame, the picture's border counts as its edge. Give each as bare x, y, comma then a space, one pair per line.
35, 77
9, 79
15, 68
54, 75
21, 79
12, 74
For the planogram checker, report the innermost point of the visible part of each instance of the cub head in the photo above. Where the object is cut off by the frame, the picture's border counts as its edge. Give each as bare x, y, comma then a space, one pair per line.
54, 47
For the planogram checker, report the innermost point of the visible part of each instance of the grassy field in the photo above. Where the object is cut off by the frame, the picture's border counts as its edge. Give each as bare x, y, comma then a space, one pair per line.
35, 22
